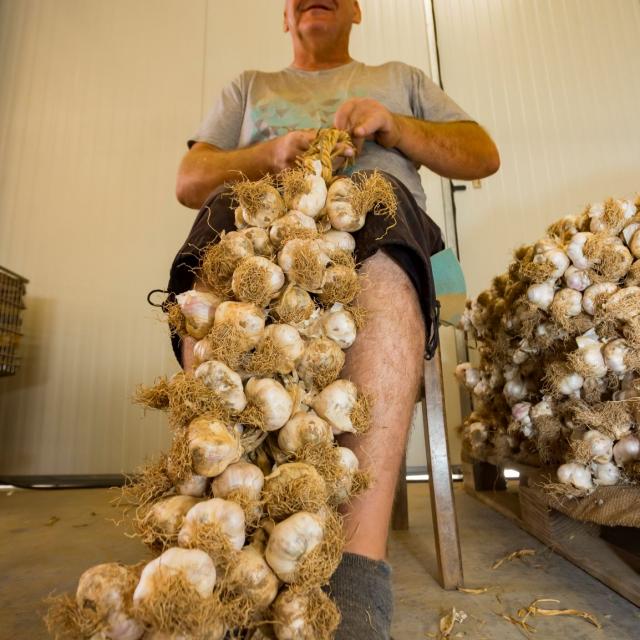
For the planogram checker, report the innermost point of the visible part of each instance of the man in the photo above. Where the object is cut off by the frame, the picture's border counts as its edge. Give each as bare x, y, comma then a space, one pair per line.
398, 120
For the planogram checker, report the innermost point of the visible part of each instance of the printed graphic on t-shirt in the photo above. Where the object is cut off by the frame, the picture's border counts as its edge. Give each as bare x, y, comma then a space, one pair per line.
274, 116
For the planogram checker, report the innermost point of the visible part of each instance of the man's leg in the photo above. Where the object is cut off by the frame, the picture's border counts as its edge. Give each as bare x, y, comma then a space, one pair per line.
385, 361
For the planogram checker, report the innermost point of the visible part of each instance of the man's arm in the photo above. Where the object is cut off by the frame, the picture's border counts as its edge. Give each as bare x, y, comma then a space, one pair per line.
205, 167
460, 150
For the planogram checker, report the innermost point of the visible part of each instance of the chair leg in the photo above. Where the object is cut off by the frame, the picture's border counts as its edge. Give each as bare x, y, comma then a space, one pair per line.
400, 513
440, 485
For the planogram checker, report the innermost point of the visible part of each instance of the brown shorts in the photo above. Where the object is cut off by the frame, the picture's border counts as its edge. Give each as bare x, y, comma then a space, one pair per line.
411, 243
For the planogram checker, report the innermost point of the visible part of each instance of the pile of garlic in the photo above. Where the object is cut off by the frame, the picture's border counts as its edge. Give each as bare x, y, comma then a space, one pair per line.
558, 338
243, 509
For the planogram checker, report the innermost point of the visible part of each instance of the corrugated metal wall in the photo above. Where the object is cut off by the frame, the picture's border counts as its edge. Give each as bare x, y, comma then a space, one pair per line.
96, 100
556, 83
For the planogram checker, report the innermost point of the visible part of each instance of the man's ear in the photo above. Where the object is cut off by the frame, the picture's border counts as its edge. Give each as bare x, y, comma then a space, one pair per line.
285, 25
357, 13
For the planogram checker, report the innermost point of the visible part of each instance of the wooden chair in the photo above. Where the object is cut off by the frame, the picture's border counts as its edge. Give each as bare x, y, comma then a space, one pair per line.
443, 509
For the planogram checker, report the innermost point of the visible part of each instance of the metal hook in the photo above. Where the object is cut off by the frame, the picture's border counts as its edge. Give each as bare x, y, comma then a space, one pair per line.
153, 304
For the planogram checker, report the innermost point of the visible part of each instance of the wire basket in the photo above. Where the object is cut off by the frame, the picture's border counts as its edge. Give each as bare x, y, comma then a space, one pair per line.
12, 290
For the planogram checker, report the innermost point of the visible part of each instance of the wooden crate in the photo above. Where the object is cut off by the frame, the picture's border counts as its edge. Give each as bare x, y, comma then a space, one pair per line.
610, 554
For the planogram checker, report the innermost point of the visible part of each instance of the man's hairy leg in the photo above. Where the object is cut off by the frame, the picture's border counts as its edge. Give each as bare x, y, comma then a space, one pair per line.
386, 361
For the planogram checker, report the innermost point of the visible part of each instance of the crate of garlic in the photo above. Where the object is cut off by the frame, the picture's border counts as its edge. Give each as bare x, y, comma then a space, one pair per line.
242, 511
558, 338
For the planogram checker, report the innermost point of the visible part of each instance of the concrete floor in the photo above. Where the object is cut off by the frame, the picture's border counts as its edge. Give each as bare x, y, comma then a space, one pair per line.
47, 538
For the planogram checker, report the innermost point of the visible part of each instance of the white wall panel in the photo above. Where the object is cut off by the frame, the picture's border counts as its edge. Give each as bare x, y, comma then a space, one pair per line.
95, 101
555, 82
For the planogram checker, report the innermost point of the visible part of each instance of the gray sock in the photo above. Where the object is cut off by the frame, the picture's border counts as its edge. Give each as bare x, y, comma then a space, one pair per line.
361, 588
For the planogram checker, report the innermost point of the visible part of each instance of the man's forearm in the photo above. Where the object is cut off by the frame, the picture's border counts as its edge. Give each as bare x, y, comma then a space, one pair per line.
205, 168
460, 150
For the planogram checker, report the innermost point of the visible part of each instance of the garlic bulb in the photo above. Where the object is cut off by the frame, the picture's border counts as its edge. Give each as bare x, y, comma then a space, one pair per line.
567, 302
213, 446
575, 474
629, 231
291, 540
193, 565
627, 449
514, 390
287, 340
349, 464
225, 383
303, 429
597, 294
288, 225
634, 245
242, 476
338, 325
335, 240
226, 516
192, 485
253, 577
294, 305
102, 592
198, 309
606, 474
320, 363
304, 262
570, 384
591, 360
477, 433
272, 400
269, 208
615, 354
335, 404
166, 516
292, 621
577, 279
259, 238
467, 375
575, 250
339, 207
257, 279
202, 351
311, 201
556, 258
247, 318
541, 295
600, 446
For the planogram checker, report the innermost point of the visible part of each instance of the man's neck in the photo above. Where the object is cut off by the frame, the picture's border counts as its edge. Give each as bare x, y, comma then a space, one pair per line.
316, 60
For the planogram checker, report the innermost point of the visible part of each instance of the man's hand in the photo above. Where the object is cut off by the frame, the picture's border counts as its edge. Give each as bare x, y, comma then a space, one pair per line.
367, 119
284, 150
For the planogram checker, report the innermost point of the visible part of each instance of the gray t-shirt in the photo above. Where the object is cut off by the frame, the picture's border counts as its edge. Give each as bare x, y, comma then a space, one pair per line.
257, 106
